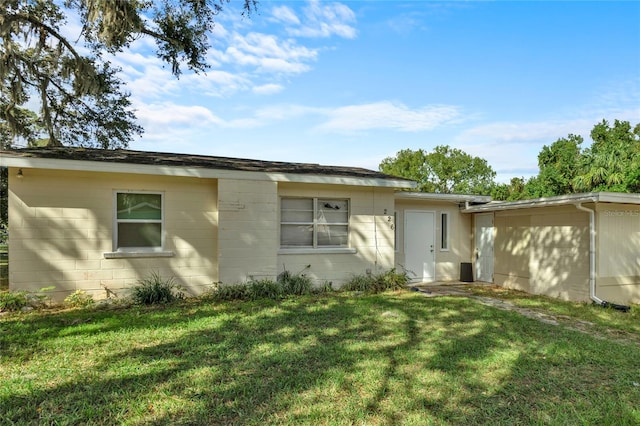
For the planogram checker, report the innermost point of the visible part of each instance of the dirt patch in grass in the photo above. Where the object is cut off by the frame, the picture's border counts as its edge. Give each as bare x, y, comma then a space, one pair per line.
599, 322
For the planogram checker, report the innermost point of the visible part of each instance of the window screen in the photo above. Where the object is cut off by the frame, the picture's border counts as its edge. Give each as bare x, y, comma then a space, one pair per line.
138, 220
314, 222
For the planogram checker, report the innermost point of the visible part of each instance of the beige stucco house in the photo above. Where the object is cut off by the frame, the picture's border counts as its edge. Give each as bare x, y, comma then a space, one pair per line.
100, 221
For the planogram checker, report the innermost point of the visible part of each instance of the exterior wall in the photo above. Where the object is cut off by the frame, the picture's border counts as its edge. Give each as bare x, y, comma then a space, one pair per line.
370, 235
618, 248
543, 251
248, 234
460, 237
61, 224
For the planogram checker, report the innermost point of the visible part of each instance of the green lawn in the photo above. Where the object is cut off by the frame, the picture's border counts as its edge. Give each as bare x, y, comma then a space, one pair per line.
394, 358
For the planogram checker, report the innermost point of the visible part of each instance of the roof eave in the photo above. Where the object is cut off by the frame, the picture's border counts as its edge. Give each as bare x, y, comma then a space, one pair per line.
591, 197
455, 198
197, 172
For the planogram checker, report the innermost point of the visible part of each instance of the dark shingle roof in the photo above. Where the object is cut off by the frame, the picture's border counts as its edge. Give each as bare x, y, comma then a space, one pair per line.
194, 161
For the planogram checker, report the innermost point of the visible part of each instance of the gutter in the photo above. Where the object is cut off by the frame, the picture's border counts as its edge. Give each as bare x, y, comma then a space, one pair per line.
592, 262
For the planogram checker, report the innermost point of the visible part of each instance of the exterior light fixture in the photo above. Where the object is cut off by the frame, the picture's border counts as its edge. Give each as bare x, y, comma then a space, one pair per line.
19, 175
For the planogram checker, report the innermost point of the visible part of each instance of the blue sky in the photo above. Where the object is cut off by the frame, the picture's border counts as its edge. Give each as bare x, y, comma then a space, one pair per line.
350, 83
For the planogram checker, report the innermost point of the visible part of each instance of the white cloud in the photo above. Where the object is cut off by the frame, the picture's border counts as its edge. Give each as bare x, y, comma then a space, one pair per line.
325, 20
285, 14
388, 115
525, 131
167, 114
267, 89
267, 53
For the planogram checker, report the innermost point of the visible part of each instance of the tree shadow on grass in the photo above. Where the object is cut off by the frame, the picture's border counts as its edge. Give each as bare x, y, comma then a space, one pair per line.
387, 359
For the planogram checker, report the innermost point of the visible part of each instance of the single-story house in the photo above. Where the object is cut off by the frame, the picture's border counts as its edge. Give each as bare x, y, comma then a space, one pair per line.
99, 221
575, 247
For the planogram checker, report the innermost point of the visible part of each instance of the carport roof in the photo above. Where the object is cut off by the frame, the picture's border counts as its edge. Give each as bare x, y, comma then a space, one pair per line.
591, 197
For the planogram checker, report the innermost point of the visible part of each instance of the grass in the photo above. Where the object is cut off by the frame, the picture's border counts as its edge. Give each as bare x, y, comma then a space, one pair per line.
391, 358
4, 267
600, 318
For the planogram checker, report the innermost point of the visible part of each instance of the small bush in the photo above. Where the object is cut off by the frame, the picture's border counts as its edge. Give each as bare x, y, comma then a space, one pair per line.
394, 280
13, 300
222, 293
390, 280
79, 299
286, 284
327, 287
297, 284
359, 283
264, 289
154, 289
17, 300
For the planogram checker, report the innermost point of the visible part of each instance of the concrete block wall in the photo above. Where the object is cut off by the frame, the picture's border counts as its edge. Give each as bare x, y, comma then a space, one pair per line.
61, 225
248, 234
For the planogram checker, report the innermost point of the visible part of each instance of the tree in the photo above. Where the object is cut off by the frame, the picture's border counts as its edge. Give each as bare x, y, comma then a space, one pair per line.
408, 164
558, 164
516, 189
78, 96
612, 162
445, 170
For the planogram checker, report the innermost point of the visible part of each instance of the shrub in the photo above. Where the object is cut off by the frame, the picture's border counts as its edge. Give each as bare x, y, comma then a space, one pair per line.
286, 284
154, 289
13, 300
221, 293
17, 300
295, 284
327, 287
389, 280
394, 280
264, 289
79, 299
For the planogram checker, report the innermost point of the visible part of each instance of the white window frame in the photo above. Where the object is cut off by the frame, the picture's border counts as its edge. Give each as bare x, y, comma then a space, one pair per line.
317, 248
116, 222
445, 231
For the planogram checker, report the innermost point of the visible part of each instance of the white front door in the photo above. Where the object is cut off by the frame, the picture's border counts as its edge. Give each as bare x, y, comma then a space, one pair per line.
484, 247
419, 245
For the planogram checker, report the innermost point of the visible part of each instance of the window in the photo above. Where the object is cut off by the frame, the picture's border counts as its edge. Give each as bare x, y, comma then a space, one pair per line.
138, 221
314, 222
444, 231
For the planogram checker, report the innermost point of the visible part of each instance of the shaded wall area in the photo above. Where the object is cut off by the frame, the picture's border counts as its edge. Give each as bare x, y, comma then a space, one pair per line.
62, 225
543, 250
618, 256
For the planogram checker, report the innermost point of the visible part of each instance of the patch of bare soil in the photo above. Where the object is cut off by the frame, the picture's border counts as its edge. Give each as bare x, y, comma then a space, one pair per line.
547, 317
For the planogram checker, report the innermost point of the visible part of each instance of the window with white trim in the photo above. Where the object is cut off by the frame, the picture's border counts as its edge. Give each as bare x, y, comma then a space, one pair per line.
444, 231
139, 221
314, 223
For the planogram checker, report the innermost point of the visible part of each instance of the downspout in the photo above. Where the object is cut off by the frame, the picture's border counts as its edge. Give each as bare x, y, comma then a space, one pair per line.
592, 254
592, 263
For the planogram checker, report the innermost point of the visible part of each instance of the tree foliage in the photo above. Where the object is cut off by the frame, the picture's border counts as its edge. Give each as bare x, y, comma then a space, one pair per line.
65, 90
444, 170
558, 164
611, 163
